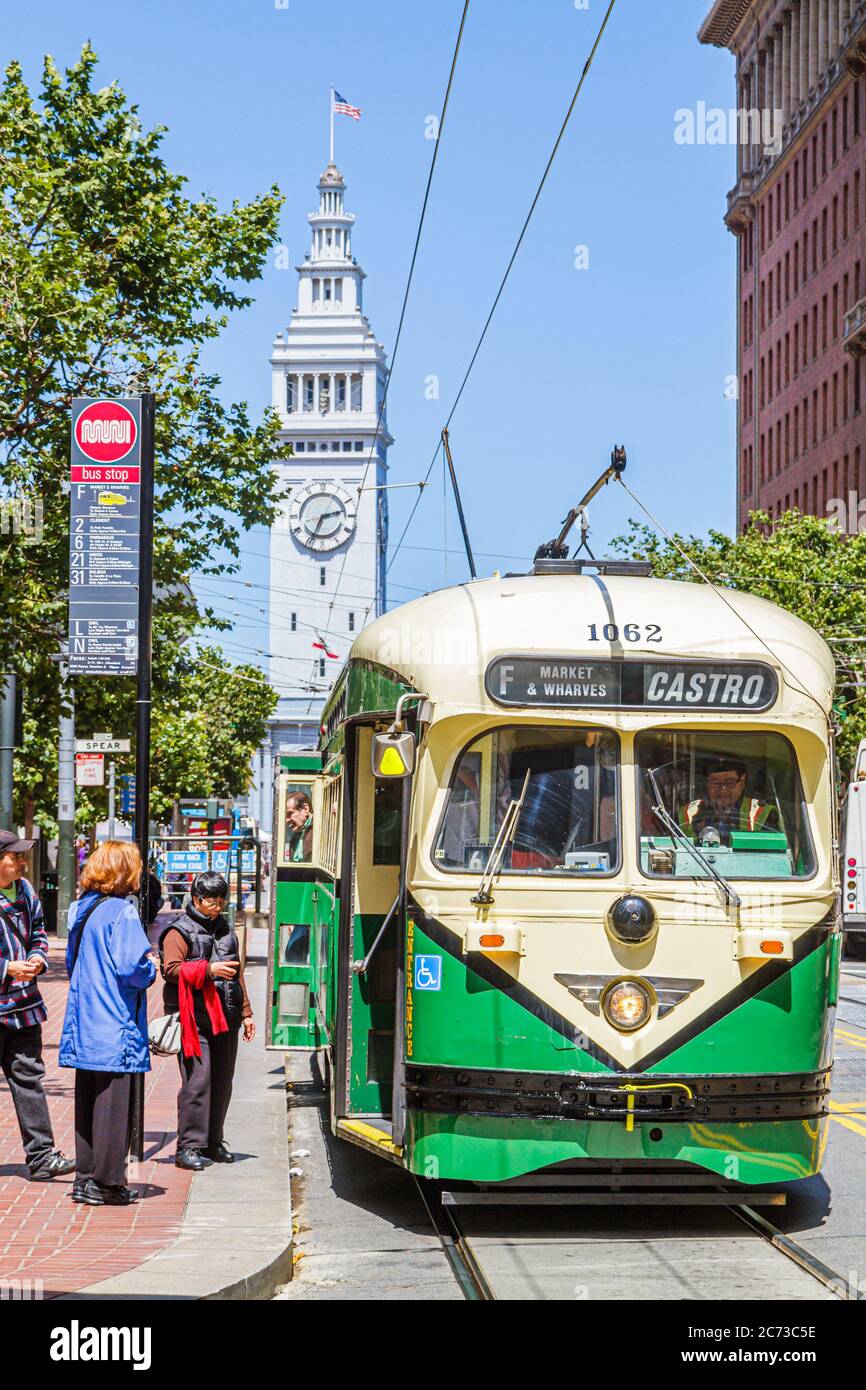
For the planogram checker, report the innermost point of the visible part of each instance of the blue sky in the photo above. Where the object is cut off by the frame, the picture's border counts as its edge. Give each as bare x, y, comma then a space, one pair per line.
634, 349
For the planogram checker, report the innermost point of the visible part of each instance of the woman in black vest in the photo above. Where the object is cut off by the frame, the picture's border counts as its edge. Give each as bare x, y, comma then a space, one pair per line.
202, 933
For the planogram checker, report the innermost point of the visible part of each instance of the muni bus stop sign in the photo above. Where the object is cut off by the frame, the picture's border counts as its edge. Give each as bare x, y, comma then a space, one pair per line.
104, 536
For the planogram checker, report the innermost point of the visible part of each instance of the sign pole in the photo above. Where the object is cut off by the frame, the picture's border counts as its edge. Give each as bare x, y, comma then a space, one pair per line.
112, 784
65, 801
142, 716
7, 748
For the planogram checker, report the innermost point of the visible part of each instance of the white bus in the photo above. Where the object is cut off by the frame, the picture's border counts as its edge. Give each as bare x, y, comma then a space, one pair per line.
854, 855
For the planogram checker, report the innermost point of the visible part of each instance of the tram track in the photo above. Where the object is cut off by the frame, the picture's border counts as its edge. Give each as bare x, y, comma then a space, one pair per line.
478, 1282
464, 1263
792, 1250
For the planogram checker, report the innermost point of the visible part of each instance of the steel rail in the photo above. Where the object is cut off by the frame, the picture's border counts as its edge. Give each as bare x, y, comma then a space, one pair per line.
798, 1254
458, 1252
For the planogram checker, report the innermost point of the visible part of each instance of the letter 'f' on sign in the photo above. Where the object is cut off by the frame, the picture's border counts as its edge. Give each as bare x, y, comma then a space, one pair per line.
506, 676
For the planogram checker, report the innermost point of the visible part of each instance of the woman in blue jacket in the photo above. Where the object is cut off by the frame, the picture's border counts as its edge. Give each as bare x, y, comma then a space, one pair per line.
104, 1034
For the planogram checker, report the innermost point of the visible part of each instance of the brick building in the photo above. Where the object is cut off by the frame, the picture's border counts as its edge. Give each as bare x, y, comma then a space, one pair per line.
798, 211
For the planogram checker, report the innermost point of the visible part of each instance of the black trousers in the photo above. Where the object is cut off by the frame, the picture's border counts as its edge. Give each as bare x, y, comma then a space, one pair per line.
206, 1089
102, 1125
21, 1060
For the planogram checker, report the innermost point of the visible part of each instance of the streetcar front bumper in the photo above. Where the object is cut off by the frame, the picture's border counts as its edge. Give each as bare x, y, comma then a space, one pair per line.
628, 1097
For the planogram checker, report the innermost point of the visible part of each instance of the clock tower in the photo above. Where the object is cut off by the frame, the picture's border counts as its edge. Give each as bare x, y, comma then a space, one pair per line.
327, 547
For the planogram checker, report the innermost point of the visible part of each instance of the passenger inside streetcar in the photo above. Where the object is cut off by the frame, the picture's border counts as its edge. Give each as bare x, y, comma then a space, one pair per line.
734, 798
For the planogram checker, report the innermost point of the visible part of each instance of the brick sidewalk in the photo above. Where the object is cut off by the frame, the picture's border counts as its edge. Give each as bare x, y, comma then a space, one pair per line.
47, 1237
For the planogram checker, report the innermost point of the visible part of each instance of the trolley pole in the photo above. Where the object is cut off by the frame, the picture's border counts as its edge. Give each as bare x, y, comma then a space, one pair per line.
142, 716
466, 542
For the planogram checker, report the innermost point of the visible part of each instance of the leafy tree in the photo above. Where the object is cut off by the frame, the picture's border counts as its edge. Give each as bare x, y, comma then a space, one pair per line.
804, 564
113, 281
206, 735
205, 732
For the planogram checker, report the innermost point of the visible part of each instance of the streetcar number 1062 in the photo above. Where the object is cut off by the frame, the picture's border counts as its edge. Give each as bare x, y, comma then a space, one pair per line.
631, 632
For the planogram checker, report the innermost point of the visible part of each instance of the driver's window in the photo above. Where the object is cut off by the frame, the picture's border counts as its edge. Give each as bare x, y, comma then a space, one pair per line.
733, 797
569, 821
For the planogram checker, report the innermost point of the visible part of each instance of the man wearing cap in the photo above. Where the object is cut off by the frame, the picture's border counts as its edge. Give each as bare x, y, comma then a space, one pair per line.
726, 806
23, 957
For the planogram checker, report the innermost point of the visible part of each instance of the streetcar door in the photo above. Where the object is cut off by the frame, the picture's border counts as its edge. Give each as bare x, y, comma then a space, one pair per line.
302, 908
371, 882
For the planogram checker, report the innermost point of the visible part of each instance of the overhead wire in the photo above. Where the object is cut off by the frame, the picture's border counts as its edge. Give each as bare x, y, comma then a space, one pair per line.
433, 162
720, 593
583, 76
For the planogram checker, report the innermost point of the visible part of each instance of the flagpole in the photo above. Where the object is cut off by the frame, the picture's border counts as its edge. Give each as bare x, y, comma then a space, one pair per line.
332, 125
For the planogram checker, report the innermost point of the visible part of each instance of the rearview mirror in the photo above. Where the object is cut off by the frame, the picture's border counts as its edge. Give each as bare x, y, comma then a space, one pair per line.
393, 755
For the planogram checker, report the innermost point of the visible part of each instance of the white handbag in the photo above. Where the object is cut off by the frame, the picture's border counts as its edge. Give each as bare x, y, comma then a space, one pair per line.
163, 1034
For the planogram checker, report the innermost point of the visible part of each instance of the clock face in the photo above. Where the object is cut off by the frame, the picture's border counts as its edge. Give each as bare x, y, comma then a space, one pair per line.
322, 516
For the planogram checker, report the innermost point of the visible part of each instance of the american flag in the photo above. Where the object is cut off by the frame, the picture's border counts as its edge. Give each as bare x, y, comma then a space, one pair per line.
343, 107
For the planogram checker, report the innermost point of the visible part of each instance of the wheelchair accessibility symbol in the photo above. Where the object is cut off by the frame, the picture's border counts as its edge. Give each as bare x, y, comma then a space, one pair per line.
428, 972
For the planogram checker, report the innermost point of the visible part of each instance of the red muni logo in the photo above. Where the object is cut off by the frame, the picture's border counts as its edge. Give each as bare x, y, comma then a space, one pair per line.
106, 431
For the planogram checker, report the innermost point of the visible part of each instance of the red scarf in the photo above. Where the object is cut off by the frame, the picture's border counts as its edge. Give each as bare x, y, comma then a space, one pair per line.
193, 975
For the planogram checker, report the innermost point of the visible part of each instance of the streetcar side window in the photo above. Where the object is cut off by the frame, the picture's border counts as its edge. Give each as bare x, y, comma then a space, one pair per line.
298, 823
569, 823
734, 799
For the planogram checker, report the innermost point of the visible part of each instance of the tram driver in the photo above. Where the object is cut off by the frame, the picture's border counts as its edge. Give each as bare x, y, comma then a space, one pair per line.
726, 805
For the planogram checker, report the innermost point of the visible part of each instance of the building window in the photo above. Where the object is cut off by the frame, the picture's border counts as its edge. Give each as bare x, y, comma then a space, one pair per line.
322, 575
317, 291
356, 390
338, 291
328, 284
341, 386
321, 666
300, 447
291, 399
347, 446
294, 622
359, 446
309, 393
351, 622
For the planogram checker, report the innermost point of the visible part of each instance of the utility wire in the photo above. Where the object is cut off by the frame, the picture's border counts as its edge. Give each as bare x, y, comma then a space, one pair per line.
583, 76
720, 594
436, 146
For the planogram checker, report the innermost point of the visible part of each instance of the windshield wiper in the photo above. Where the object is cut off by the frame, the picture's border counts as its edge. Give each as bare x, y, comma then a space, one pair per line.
675, 831
507, 831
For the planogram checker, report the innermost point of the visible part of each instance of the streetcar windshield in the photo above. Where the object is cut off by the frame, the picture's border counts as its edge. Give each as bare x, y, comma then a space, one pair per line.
569, 821
736, 797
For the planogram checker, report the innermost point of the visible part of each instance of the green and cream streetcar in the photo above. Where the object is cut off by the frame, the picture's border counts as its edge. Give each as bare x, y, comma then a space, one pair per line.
561, 885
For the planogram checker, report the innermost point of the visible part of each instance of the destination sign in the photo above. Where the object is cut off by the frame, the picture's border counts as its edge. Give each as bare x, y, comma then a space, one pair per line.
578, 683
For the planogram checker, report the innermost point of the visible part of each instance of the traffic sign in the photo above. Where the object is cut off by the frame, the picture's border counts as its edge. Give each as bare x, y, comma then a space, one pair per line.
104, 537
186, 861
127, 793
102, 743
225, 862
89, 770
106, 431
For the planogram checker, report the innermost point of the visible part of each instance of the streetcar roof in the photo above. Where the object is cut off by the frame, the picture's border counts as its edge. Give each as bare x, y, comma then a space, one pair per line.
443, 643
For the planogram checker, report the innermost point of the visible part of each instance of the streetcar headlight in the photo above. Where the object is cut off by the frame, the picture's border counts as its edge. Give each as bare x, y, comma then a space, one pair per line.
626, 1004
